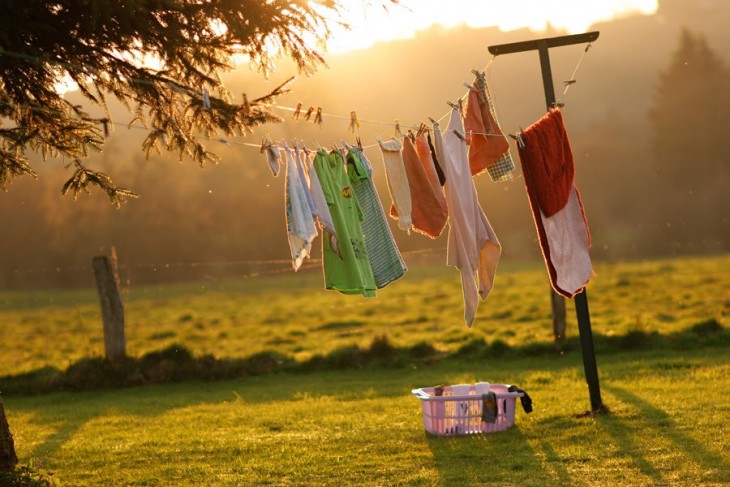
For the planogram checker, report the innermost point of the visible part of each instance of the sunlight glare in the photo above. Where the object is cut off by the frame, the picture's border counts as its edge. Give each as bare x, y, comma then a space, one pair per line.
371, 24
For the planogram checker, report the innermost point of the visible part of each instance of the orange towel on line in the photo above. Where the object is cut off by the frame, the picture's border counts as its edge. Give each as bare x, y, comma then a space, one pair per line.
483, 149
428, 212
557, 209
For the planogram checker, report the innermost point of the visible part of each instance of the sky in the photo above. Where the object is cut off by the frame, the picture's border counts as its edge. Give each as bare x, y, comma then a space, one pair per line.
371, 24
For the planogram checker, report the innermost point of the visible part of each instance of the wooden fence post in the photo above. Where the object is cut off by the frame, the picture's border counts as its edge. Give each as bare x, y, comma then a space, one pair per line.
112, 308
8, 458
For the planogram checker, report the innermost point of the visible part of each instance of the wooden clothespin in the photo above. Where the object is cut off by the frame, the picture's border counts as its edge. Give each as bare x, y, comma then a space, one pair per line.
398, 131
354, 122
318, 117
459, 135
359, 142
105, 122
264, 144
569, 82
206, 98
433, 122
308, 115
297, 111
246, 104
518, 137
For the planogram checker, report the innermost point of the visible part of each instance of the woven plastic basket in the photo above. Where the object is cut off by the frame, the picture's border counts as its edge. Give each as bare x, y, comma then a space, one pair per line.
451, 415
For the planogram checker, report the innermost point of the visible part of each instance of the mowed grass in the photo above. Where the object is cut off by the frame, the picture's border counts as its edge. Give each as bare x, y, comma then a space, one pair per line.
294, 315
669, 408
668, 426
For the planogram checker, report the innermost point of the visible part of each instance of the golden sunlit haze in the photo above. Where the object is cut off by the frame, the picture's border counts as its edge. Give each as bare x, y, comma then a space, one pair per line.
371, 23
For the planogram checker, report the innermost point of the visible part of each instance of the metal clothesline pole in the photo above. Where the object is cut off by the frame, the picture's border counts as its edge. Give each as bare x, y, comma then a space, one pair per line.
581, 299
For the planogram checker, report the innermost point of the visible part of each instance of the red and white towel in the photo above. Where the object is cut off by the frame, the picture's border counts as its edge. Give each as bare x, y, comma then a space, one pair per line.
562, 227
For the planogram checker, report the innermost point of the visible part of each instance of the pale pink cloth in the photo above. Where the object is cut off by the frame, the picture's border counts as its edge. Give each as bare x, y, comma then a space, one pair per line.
569, 242
473, 247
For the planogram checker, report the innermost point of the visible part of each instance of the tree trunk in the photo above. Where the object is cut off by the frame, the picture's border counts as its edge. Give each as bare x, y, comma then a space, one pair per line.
8, 458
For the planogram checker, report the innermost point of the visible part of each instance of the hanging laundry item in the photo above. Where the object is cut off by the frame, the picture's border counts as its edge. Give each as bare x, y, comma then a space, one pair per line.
439, 170
323, 212
483, 135
299, 221
473, 247
557, 209
300, 162
502, 169
426, 156
429, 210
395, 174
386, 261
346, 268
273, 156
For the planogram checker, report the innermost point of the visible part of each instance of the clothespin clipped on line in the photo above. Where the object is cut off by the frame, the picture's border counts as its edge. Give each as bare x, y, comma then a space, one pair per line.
264, 144
433, 122
206, 99
246, 104
398, 131
518, 138
308, 115
569, 82
297, 112
318, 117
104, 121
354, 122
459, 135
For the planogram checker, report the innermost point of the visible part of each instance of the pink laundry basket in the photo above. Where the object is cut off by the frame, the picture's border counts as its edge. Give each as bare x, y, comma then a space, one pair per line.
452, 415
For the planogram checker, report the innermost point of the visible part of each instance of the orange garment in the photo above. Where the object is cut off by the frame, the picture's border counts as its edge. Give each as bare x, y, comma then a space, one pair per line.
424, 154
483, 149
428, 211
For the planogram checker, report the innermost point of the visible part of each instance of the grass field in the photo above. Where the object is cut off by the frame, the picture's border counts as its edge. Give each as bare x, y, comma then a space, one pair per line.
292, 314
667, 426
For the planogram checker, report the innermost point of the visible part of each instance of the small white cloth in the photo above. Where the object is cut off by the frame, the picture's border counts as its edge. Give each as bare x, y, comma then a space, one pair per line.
395, 174
299, 221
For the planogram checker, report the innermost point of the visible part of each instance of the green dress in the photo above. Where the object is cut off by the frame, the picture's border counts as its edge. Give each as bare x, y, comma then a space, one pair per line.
346, 267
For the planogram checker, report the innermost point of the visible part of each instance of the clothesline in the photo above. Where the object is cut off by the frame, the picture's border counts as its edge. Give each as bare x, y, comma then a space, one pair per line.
354, 120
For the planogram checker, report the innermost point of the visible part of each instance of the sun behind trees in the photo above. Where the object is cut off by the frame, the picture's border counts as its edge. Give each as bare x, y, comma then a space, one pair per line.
161, 59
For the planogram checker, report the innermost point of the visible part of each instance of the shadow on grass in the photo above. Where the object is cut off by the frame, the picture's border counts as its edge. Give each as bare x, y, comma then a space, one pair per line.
177, 364
658, 421
504, 458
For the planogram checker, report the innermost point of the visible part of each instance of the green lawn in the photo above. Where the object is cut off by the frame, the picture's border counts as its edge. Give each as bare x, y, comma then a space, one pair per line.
292, 314
667, 426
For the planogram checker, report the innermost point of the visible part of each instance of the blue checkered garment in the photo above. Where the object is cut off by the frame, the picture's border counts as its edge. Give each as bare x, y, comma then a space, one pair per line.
385, 259
501, 169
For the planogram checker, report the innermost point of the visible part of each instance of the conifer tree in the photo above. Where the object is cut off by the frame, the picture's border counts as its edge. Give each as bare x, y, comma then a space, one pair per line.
691, 114
105, 46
